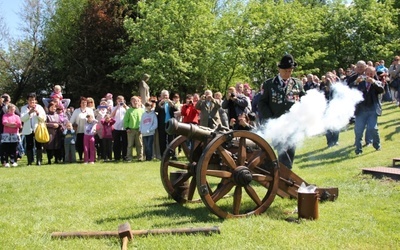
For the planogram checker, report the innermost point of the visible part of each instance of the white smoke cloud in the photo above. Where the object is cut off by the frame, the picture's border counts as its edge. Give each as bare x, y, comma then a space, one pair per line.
311, 116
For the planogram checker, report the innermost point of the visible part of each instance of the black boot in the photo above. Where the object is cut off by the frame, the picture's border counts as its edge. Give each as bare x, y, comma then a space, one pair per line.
38, 157
29, 155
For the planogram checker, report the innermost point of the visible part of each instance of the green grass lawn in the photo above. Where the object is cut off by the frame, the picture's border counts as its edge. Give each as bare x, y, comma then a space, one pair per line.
36, 201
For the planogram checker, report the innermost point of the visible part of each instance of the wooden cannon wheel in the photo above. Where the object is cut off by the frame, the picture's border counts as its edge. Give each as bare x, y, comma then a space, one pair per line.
185, 166
233, 162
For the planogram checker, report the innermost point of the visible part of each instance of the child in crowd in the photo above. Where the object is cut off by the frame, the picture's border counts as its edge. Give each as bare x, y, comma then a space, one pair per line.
109, 100
132, 125
244, 122
69, 112
10, 137
56, 92
148, 126
99, 115
89, 151
57, 97
69, 143
107, 138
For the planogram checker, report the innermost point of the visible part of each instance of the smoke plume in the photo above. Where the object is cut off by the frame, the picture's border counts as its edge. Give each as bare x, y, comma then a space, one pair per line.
313, 115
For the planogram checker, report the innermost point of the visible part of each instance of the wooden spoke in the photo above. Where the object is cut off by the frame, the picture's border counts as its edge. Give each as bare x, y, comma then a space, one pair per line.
179, 165
227, 157
219, 173
192, 188
237, 198
242, 151
185, 150
222, 191
262, 178
256, 160
253, 195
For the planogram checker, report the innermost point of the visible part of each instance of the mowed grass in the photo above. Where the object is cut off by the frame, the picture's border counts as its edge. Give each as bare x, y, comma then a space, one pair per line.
36, 201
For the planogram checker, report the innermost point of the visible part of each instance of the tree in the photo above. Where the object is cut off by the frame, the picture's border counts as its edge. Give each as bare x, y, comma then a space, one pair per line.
19, 61
362, 31
81, 44
177, 42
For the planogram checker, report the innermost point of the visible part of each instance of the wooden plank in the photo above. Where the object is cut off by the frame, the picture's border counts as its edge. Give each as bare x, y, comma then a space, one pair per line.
380, 172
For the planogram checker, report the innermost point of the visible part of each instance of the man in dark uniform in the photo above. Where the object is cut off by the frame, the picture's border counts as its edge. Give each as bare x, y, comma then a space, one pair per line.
278, 95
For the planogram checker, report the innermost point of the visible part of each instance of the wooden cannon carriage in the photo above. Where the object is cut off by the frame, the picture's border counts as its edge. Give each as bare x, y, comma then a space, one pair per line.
235, 172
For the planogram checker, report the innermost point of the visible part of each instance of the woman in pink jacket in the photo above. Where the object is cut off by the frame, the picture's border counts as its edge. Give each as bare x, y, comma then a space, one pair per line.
10, 136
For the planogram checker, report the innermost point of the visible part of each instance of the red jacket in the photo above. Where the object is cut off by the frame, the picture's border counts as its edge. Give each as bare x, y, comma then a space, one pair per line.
190, 114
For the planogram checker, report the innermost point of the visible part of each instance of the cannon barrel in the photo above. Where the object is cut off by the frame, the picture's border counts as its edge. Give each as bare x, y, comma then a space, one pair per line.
173, 127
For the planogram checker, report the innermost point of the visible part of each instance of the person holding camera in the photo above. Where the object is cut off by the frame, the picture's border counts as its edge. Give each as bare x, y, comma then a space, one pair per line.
78, 119
236, 104
278, 96
120, 137
31, 114
189, 112
165, 110
394, 74
209, 110
368, 110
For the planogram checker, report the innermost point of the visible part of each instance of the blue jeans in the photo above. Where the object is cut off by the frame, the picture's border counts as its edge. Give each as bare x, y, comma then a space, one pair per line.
148, 146
367, 119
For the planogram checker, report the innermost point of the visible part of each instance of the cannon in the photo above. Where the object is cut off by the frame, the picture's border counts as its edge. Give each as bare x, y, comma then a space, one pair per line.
235, 172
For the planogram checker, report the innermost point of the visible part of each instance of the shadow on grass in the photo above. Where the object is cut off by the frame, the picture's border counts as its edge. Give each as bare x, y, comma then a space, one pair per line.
390, 135
322, 156
168, 208
187, 213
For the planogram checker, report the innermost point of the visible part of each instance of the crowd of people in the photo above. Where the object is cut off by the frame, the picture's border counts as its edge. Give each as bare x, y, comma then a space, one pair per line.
111, 130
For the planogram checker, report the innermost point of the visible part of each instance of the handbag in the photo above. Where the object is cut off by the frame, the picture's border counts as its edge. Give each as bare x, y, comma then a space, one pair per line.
41, 133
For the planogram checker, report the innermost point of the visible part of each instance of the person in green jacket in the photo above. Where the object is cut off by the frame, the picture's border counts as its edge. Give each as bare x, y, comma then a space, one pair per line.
131, 124
278, 95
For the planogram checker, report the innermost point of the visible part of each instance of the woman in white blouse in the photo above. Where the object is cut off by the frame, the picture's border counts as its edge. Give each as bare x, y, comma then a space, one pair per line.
31, 114
78, 119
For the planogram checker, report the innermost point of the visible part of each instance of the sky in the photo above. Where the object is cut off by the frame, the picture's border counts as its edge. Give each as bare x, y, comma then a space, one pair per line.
9, 12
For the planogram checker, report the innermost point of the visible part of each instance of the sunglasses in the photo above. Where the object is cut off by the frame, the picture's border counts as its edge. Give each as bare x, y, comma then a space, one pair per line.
89, 102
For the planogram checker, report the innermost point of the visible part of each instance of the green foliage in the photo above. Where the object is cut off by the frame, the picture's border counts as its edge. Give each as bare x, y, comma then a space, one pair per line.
92, 47
175, 42
243, 41
81, 56
373, 28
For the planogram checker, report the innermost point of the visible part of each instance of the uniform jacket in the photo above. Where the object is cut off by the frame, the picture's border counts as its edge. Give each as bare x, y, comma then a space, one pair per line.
276, 100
